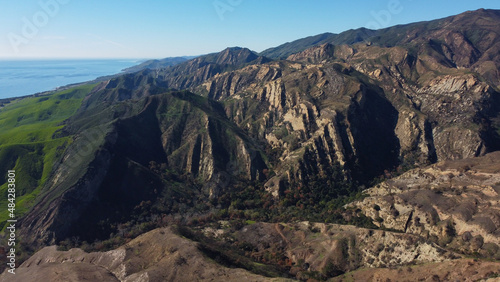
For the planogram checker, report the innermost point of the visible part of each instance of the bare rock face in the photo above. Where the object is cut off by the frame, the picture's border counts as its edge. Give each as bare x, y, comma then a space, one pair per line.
454, 203
451, 103
413, 133
314, 54
158, 255
309, 108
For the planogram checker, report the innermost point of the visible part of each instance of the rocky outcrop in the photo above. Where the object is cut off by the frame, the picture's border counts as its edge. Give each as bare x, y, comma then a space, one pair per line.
456, 134
315, 54
453, 203
413, 132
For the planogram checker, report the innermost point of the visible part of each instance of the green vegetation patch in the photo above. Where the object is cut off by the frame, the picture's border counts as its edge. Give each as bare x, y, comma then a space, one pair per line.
28, 144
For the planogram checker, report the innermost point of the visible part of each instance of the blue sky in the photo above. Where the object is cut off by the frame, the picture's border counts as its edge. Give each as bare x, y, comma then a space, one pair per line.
157, 29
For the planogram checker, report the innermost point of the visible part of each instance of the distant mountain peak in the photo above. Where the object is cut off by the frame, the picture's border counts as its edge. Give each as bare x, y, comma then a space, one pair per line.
236, 49
235, 56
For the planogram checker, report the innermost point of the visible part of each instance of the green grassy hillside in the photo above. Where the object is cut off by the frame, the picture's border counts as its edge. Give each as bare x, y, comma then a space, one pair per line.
28, 144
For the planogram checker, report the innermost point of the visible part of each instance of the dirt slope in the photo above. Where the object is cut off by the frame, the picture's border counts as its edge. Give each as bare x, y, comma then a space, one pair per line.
159, 255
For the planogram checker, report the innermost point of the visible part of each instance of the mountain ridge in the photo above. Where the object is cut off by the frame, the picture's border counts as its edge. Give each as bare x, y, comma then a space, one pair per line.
376, 123
358, 35
238, 137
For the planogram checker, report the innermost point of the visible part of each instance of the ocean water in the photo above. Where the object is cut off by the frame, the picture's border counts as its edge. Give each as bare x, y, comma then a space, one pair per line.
25, 77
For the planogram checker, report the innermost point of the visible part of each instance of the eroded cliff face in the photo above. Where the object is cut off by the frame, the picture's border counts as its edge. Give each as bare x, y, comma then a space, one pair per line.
444, 112
368, 107
296, 108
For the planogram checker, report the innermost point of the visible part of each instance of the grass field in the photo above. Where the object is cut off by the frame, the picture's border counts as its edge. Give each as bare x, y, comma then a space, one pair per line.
28, 145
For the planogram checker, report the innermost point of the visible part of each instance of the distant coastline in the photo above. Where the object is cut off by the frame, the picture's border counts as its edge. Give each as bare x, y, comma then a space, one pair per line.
27, 78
